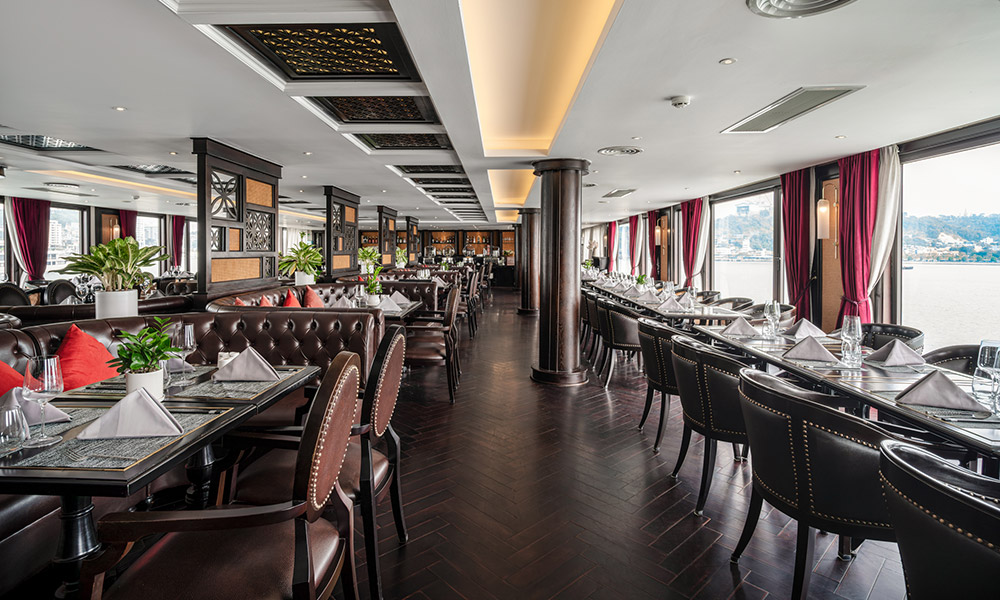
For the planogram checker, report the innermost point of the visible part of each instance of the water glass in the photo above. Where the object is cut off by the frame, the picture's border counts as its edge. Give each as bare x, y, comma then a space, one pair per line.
772, 316
988, 363
13, 428
183, 338
43, 381
850, 341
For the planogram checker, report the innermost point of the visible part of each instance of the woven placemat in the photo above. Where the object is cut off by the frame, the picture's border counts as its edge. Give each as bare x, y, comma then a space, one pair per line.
233, 390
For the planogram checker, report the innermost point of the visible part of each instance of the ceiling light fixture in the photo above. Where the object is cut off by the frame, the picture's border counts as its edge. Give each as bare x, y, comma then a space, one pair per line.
737, 172
119, 108
307, 153
636, 137
839, 137
793, 9
727, 61
301, 191
305, 177
383, 191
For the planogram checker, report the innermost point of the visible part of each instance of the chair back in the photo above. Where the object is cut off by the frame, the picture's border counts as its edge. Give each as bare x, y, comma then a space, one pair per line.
623, 327
708, 384
382, 387
326, 434
12, 295
947, 522
814, 463
592, 311
57, 291
734, 302
451, 306
584, 312
707, 296
654, 339
755, 314
962, 358
876, 335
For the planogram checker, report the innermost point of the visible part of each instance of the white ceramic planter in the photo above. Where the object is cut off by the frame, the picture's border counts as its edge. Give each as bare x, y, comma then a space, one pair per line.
373, 300
153, 382
304, 278
117, 304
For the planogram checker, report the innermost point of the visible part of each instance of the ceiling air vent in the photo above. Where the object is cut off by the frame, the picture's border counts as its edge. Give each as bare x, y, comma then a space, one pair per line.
793, 9
618, 193
792, 106
589, 185
620, 150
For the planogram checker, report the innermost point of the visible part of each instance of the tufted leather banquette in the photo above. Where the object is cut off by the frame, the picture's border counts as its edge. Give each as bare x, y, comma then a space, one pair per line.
57, 313
328, 293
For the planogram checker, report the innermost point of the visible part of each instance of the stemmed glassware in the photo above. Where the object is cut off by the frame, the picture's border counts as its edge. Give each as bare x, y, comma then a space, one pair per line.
43, 381
772, 315
986, 382
850, 341
183, 338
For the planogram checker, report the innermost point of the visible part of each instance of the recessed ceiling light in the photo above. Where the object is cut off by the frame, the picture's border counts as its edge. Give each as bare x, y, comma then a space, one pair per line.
737, 172
305, 177
119, 108
595, 171
602, 201
301, 191
383, 191
173, 154
727, 61
636, 137
307, 153
839, 137
418, 208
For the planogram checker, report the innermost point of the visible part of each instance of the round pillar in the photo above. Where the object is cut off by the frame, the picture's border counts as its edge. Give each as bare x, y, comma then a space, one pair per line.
530, 259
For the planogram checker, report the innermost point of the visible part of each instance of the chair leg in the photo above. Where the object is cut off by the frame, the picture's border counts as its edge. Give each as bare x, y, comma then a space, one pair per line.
664, 413
707, 471
395, 493
753, 515
746, 452
451, 377
685, 442
736, 452
604, 360
611, 368
594, 348
367, 501
804, 549
649, 404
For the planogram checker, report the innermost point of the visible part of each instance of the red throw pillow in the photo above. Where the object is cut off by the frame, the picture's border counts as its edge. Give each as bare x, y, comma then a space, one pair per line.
9, 378
83, 359
312, 299
264, 301
291, 300
239, 302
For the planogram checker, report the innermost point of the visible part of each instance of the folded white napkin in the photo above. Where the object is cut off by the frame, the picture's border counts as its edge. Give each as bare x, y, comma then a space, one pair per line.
687, 301
896, 354
939, 391
740, 327
32, 411
248, 366
670, 305
803, 329
648, 296
399, 298
70, 300
341, 303
632, 291
388, 305
136, 415
810, 349
179, 365
439, 281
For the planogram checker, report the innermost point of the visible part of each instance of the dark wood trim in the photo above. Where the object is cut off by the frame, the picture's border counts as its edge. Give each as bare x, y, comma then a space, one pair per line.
967, 137
240, 158
337, 242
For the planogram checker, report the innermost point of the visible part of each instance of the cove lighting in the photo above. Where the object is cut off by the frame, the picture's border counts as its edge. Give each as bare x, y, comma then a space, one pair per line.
122, 183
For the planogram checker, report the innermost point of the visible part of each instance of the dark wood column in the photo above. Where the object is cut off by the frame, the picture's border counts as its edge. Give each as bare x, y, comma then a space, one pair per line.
559, 245
530, 261
517, 256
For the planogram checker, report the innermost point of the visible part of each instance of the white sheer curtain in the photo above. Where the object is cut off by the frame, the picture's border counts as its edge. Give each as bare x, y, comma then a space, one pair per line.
890, 181
15, 248
640, 247
588, 237
703, 242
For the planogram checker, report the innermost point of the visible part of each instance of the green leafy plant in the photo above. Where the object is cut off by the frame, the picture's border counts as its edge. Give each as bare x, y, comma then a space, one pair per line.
445, 266
641, 279
369, 255
372, 284
142, 352
508, 253
118, 264
401, 257
301, 257
587, 264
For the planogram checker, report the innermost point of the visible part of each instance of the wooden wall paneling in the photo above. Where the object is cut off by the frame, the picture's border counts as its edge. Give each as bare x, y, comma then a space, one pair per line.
387, 233
340, 253
832, 285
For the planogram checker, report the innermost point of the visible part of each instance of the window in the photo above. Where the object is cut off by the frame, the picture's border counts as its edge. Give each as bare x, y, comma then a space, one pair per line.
623, 262
191, 247
65, 237
743, 247
3, 245
951, 247
148, 233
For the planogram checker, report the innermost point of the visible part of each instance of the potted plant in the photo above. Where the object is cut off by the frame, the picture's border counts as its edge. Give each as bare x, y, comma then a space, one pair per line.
373, 287
588, 264
303, 260
368, 257
141, 357
401, 258
642, 279
508, 257
119, 266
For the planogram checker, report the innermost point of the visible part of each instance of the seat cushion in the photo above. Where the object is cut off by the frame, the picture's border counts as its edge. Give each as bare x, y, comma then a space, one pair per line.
350, 473
256, 562
426, 352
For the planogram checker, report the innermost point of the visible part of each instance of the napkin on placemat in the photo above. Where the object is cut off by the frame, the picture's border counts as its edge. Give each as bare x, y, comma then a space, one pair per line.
740, 327
32, 411
687, 300
341, 302
938, 391
648, 296
388, 305
179, 365
670, 304
136, 415
439, 281
399, 298
248, 366
803, 329
632, 291
810, 349
896, 354
621, 285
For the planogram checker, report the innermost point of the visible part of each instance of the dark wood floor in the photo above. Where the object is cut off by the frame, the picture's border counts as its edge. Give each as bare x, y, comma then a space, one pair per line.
527, 491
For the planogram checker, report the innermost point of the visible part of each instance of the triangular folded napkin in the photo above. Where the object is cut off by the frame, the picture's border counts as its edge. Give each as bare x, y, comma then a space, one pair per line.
388, 305
803, 329
179, 365
439, 281
621, 286
939, 391
399, 298
687, 300
341, 302
670, 305
136, 415
32, 411
248, 366
810, 349
648, 296
740, 327
896, 354
632, 291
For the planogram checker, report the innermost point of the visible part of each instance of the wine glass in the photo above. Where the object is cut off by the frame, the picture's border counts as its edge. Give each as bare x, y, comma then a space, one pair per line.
850, 341
988, 369
183, 338
43, 381
13, 428
772, 313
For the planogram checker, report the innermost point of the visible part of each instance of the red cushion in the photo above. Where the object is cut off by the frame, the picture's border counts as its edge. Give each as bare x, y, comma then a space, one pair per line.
312, 299
9, 378
83, 359
239, 302
291, 300
264, 301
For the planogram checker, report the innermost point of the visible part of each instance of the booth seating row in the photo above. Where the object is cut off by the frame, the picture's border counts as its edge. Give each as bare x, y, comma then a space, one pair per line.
56, 313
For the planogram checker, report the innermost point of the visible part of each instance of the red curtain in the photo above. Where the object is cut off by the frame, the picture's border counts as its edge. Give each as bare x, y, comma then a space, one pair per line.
633, 239
126, 221
691, 218
651, 218
612, 231
858, 201
177, 223
795, 207
31, 222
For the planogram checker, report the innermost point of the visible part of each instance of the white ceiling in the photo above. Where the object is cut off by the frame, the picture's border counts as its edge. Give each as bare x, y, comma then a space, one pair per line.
927, 66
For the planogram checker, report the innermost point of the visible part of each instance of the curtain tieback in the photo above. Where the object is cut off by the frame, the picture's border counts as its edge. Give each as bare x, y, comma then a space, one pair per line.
854, 302
805, 290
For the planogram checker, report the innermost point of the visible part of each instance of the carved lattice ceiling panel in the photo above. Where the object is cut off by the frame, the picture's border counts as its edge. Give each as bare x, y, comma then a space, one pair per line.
440, 181
410, 169
405, 141
379, 109
42, 142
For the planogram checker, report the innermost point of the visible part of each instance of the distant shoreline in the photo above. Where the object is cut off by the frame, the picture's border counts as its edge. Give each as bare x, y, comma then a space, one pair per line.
905, 262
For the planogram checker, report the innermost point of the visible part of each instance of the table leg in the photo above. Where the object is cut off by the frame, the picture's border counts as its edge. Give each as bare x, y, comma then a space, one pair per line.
199, 473
77, 540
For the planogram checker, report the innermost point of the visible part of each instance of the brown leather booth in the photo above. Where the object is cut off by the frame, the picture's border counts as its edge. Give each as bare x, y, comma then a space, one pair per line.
425, 291
57, 313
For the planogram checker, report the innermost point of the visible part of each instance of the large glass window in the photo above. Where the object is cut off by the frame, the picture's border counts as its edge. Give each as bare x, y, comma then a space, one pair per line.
743, 247
951, 247
65, 237
191, 247
3, 245
623, 261
148, 233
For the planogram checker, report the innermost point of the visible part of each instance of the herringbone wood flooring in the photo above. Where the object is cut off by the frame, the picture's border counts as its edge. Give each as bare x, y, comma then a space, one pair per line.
527, 491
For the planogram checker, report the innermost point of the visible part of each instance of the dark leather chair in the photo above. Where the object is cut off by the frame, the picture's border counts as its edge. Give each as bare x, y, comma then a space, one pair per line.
734, 302
947, 522
619, 332
12, 295
9, 321
595, 325
707, 383
433, 340
298, 547
655, 343
962, 358
180, 288
707, 296
57, 291
876, 335
469, 302
755, 314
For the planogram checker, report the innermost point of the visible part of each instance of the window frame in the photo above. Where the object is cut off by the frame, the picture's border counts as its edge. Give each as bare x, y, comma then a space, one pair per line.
84, 211
777, 251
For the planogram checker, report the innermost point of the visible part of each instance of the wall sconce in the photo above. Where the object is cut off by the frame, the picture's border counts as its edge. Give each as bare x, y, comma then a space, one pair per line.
116, 231
658, 234
825, 213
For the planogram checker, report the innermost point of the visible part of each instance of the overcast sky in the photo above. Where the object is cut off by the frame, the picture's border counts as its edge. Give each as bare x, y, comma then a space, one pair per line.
955, 184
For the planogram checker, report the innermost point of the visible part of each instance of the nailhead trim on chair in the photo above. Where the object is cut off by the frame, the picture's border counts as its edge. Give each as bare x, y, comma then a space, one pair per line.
378, 388
711, 423
700, 399
314, 471
791, 452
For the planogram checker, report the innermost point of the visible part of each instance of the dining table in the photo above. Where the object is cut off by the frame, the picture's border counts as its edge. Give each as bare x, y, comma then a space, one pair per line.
698, 312
76, 470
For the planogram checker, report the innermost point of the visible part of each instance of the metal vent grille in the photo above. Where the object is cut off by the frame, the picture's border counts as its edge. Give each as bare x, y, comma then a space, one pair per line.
618, 193
42, 142
412, 169
792, 106
154, 169
793, 9
620, 150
